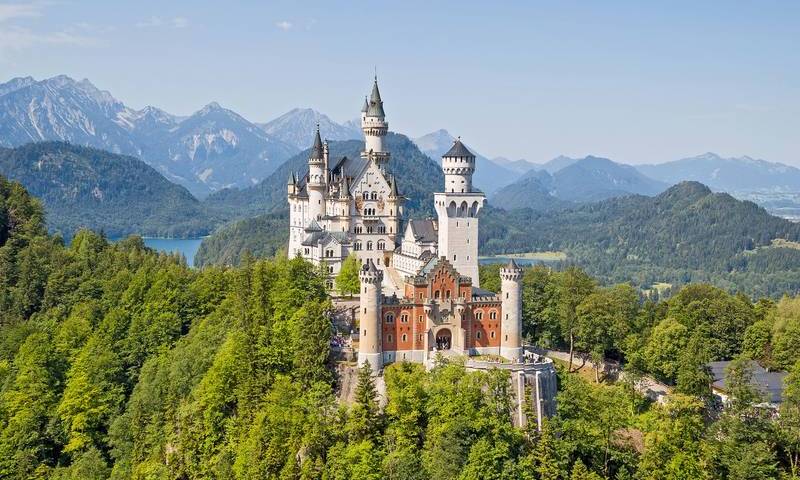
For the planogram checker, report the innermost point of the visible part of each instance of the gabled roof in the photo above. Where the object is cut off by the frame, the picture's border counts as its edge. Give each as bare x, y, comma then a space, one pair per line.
313, 227
424, 230
458, 150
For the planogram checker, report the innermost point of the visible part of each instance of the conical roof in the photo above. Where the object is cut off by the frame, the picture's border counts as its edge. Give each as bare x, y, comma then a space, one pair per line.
366, 105
369, 266
375, 108
316, 149
394, 192
458, 150
512, 265
291, 178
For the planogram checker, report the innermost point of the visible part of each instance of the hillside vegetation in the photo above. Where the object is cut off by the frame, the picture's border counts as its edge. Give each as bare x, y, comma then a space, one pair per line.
83, 187
118, 362
685, 234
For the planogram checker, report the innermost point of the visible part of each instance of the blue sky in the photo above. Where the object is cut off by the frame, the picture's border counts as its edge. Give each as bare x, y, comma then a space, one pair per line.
633, 81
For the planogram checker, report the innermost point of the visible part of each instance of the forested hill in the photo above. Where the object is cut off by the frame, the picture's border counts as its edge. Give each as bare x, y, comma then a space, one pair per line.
117, 194
687, 233
418, 177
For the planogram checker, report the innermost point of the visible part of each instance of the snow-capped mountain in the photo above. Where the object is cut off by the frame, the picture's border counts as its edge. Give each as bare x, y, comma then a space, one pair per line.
222, 149
489, 176
209, 150
296, 127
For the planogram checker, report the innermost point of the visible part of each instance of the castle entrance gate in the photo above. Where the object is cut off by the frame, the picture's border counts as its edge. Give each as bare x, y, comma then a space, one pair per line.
444, 339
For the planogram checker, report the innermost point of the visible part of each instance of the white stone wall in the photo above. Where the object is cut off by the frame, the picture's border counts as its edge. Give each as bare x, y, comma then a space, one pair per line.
458, 230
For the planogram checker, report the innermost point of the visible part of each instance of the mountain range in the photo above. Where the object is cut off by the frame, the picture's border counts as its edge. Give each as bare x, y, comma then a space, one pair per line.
565, 181
206, 151
296, 127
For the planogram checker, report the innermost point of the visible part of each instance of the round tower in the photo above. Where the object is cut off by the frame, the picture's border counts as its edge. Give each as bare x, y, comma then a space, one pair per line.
374, 126
511, 323
317, 179
369, 342
458, 165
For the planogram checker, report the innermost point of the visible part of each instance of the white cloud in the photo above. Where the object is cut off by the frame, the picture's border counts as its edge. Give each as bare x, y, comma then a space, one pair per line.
10, 11
157, 22
19, 38
284, 25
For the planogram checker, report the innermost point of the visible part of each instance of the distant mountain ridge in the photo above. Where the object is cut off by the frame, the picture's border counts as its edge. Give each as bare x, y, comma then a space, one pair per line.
728, 174
565, 181
296, 127
207, 151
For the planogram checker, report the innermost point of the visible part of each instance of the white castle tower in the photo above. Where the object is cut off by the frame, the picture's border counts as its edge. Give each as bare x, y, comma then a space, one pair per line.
369, 341
457, 208
317, 179
511, 323
374, 126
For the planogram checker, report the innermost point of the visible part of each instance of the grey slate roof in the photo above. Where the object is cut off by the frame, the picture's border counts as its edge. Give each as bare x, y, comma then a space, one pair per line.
769, 383
375, 108
512, 265
481, 293
424, 230
316, 150
458, 150
322, 237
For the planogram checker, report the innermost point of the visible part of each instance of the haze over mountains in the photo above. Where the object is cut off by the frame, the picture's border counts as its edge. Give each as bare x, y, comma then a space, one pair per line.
217, 150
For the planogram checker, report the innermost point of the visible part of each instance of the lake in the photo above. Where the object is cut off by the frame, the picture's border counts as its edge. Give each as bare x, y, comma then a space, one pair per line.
186, 246
532, 258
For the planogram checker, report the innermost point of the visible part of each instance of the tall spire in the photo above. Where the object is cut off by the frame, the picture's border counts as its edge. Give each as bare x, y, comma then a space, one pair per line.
375, 108
316, 150
366, 105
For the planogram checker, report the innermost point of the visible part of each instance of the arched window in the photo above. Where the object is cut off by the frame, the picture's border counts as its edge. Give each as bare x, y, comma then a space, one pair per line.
492, 334
389, 338
389, 318
405, 337
479, 315
478, 335
381, 245
369, 245
357, 246
493, 315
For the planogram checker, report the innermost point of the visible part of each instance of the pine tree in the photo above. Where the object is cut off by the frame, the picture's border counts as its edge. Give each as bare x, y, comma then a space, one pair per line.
364, 421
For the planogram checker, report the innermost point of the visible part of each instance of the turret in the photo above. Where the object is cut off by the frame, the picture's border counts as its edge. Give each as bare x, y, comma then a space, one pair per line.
457, 209
369, 342
374, 126
511, 322
317, 178
291, 184
458, 165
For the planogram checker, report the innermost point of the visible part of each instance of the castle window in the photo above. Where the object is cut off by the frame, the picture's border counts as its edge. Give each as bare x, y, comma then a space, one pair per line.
436, 294
369, 245
381, 245
389, 338
506, 338
506, 294
506, 316
369, 229
389, 318
492, 334
405, 337
454, 257
404, 318
420, 319
447, 294
493, 315
357, 246
478, 315
365, 332
477, 335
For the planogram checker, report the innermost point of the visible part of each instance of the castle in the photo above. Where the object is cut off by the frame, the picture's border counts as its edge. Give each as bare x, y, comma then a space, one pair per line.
420, 294
420, 291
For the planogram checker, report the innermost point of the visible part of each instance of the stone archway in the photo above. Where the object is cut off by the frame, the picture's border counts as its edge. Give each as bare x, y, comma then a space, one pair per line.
444, 339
